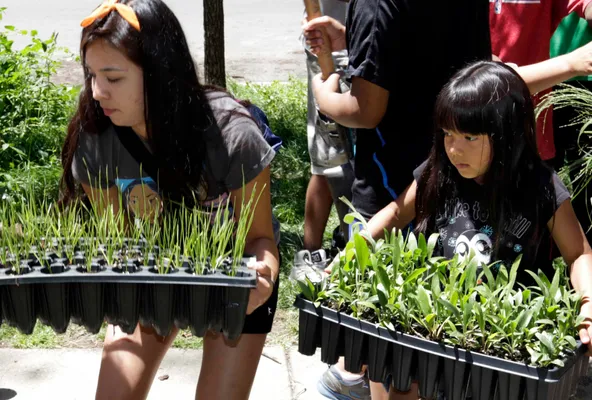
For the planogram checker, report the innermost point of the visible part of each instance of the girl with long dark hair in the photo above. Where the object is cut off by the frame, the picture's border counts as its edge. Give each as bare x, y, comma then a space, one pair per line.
140, 80
484, 188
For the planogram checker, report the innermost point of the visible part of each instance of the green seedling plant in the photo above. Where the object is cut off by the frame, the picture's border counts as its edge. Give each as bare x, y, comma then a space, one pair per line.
245, 220
399, 283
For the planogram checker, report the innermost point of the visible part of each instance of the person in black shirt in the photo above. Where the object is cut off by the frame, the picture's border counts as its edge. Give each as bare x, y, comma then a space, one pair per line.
401, 53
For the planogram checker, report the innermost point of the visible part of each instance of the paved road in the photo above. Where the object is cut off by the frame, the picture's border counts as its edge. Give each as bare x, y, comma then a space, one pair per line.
261, 35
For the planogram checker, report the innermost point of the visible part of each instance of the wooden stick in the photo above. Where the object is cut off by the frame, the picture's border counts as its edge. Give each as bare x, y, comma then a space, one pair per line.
313, 10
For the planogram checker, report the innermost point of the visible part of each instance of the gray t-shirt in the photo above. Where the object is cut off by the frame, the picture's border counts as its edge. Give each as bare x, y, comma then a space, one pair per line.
102, 160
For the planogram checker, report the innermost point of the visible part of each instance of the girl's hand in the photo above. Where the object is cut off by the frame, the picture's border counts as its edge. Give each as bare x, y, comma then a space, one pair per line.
264, 288
586, 327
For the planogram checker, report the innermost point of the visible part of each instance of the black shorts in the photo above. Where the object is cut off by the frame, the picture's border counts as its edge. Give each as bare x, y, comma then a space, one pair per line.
261, 320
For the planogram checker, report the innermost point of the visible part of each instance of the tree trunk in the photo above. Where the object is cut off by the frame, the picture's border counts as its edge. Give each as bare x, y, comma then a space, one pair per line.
214, 68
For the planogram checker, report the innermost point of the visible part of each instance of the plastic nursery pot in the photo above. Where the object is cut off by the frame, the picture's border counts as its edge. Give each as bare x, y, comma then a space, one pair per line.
509, 387
216, 308
198, 306
428, 374
483, 382
160, 303
18, 303
356, 344
86, 300
332, 336
53, 300
378, 363
236, 300
456, 378
122, 305
309, 332
404, 360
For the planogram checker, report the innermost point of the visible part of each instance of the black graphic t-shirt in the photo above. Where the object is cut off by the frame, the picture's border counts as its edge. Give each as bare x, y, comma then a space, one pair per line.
467, 226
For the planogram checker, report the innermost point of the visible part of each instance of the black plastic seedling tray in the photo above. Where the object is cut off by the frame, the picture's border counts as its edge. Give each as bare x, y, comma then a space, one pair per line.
124, 296
459, 373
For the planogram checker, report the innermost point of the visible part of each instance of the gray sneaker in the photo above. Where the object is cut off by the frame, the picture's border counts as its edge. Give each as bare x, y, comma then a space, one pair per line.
309, 265
332, 386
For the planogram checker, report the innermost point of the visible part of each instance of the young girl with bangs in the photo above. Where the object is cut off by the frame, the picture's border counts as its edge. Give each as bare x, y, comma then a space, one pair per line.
484, 189
141, 83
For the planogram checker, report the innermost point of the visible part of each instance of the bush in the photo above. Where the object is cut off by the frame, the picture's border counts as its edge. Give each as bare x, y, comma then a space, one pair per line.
34, 114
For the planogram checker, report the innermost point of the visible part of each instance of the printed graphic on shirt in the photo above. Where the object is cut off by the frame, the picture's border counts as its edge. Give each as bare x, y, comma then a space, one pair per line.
498, 3
140, 197
467, 229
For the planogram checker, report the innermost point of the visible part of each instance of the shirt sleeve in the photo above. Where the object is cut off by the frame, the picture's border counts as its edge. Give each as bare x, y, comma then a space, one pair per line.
373, 36
88, 166
248, 152
561, 192
419, 170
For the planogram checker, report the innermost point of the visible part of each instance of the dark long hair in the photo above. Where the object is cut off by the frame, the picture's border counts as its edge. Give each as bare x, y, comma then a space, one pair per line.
179, 120
487, 98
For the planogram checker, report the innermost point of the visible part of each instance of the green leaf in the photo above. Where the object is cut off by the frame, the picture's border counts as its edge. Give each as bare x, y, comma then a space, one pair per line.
450, 308
362, 252
547, 340
432, 242
411, 242
383, 277
424, 301
305, 290
414, 275
422, 245
9, 27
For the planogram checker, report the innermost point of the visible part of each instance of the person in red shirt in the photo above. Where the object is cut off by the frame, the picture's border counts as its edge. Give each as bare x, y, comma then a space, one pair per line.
521, 31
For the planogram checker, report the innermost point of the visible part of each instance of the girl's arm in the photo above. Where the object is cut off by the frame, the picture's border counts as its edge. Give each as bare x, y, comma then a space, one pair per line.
398, 214
575, 249
260, 239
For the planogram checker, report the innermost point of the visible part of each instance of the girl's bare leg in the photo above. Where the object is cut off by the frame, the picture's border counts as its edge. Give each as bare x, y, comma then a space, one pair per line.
228, 368
130, 362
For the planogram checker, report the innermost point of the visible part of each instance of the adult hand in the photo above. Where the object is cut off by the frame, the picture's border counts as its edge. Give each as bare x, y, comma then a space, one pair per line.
314, 38
264, 289
586, 327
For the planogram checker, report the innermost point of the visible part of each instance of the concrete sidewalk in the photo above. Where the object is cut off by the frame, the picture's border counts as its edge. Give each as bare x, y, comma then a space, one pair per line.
70, 374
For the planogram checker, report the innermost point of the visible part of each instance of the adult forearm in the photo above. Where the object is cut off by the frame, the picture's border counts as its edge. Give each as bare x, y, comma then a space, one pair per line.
581, 275
546, 74
345, 110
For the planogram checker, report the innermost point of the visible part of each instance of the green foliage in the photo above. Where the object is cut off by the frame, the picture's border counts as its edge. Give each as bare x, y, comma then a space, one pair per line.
34, 113
398, 283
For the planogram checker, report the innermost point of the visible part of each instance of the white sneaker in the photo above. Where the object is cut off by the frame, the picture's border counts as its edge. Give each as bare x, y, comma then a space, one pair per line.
309, 265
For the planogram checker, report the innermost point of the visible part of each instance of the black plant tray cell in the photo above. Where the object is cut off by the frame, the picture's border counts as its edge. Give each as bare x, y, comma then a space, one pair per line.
235, 310
196, 309
456, 378
122, 305
161, 303
356, 344
379, 360
216, 308
404, 366
53, 299
309, 333
483, 382
87, 301
18, 303
181, 306
511, 379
